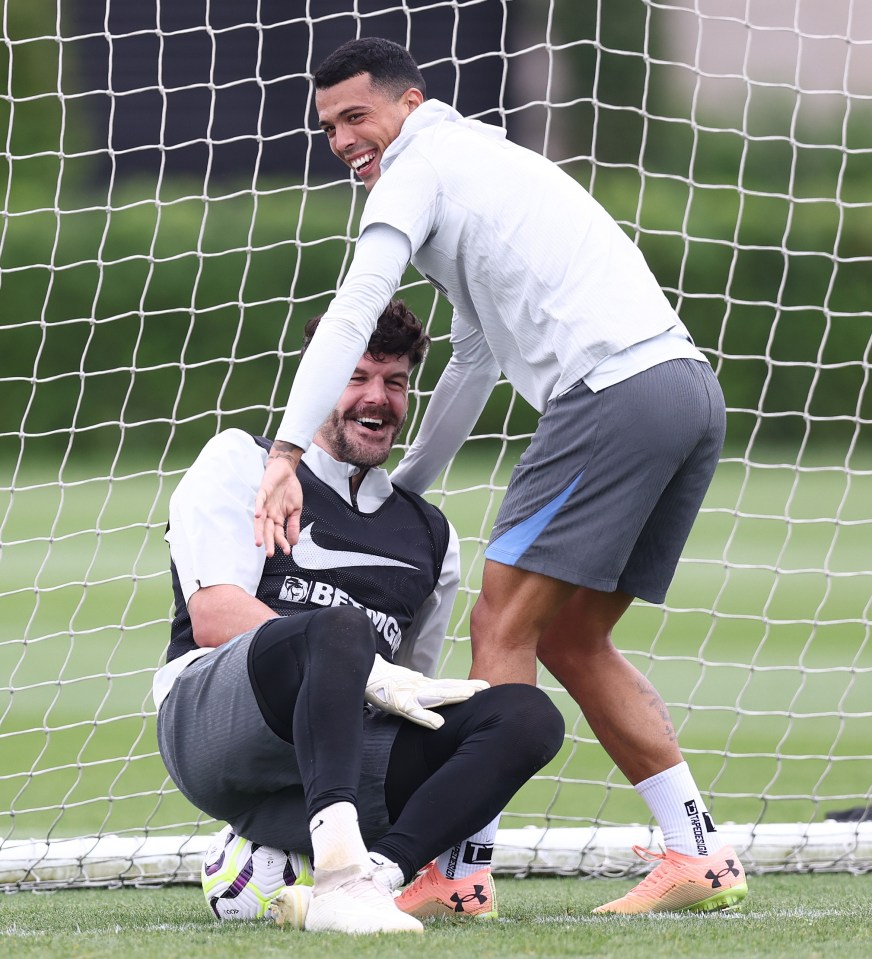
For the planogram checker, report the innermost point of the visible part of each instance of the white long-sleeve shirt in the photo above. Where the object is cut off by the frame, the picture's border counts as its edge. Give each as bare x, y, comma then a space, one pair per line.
545, 286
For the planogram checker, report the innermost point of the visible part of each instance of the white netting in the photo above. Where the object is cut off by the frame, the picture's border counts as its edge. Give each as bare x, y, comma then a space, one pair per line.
172, 218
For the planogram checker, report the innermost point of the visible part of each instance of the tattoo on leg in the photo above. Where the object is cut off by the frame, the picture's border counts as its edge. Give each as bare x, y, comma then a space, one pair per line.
656, 703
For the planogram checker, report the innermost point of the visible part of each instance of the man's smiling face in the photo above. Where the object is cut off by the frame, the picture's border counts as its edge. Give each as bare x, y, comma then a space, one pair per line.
362, 428
361, 121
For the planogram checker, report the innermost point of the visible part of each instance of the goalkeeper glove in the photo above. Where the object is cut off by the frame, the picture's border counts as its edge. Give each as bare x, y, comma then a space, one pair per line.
404, 692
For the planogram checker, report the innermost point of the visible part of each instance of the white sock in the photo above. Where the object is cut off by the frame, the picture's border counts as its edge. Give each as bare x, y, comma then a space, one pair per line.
336, 839
388, 870
676, 804
471, 855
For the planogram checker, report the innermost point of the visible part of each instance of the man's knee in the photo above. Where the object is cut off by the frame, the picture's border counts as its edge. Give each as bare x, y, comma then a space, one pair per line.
542, 720
529, 720
344, 634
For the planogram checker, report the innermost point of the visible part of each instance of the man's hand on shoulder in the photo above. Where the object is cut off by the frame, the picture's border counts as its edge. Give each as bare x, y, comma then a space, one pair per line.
412, 695
279, 500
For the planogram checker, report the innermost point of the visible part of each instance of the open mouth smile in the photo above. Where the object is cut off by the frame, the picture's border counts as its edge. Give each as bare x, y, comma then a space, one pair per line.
371, 423
363, 163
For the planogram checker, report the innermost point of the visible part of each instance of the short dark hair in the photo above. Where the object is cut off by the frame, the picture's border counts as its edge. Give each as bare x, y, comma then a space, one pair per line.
398, 333
390, 66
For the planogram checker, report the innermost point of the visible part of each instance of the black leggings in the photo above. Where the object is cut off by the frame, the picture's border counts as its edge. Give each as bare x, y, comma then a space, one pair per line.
443, 785
309, 673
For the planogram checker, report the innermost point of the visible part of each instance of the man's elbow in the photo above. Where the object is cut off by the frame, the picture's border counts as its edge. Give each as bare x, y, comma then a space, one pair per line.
209, 619
208, 632
220, 613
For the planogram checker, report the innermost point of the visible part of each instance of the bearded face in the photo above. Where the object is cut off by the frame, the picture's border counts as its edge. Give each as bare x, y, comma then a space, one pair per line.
363, 427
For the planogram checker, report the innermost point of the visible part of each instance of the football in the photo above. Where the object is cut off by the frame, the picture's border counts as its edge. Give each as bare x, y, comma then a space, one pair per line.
241, 878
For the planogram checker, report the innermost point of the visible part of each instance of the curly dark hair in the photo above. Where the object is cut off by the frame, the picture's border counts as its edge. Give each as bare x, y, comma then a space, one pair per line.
398, 333
391, 66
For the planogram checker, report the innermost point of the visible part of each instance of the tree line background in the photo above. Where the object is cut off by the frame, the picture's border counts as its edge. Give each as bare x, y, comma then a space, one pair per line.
157, 304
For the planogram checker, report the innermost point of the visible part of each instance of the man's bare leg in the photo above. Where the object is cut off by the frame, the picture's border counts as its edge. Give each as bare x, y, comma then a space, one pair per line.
512, 612
520, 616
623, 709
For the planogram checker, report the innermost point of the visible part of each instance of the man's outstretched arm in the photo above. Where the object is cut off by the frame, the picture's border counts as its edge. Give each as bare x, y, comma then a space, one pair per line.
455, 406
380, 260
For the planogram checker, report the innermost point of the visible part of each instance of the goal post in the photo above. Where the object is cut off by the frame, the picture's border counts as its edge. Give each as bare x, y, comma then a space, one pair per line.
172, 217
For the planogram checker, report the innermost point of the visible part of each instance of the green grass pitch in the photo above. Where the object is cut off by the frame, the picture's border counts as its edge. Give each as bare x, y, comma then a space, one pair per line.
761, 651
784, 917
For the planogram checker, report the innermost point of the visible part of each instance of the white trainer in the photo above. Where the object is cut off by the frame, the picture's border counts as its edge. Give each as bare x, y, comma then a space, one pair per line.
361, 904
290, 906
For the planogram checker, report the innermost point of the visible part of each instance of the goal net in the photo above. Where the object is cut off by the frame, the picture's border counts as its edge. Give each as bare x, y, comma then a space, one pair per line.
172, 217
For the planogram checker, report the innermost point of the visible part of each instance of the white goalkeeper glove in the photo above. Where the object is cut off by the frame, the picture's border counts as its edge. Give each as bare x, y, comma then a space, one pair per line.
404, 692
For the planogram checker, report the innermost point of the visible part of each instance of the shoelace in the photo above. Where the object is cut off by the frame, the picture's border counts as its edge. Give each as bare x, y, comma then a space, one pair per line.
648, 855
652, 880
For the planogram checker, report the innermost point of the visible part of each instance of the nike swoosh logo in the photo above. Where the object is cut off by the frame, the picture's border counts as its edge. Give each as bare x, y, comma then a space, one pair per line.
307, 554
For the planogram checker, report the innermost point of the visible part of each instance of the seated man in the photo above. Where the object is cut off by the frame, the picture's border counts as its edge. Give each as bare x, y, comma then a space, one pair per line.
286, 708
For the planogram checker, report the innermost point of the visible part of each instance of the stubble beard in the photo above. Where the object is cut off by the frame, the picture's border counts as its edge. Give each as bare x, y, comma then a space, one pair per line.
348, 450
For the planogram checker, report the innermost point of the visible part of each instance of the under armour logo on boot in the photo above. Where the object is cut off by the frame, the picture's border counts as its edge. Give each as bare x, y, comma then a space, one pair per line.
476, 895
716, 877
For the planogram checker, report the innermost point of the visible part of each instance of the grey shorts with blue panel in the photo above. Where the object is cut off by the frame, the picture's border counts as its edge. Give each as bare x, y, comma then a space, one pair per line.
607, 491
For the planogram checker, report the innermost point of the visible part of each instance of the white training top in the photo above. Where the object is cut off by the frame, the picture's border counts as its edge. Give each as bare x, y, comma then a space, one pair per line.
545, 285
211, 541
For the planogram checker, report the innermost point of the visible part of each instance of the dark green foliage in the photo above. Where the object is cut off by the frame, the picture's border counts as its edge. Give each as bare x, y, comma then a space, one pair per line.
153, 313
160, 313
182, 311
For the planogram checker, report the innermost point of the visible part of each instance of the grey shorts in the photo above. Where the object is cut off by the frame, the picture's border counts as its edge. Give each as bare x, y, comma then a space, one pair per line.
226, 760
607, 491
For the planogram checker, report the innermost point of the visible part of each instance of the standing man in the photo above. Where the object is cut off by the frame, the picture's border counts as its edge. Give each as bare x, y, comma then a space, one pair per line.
548, 290
261, 706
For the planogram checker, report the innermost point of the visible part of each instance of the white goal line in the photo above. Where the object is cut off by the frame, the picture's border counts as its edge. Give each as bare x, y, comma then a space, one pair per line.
604, 851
